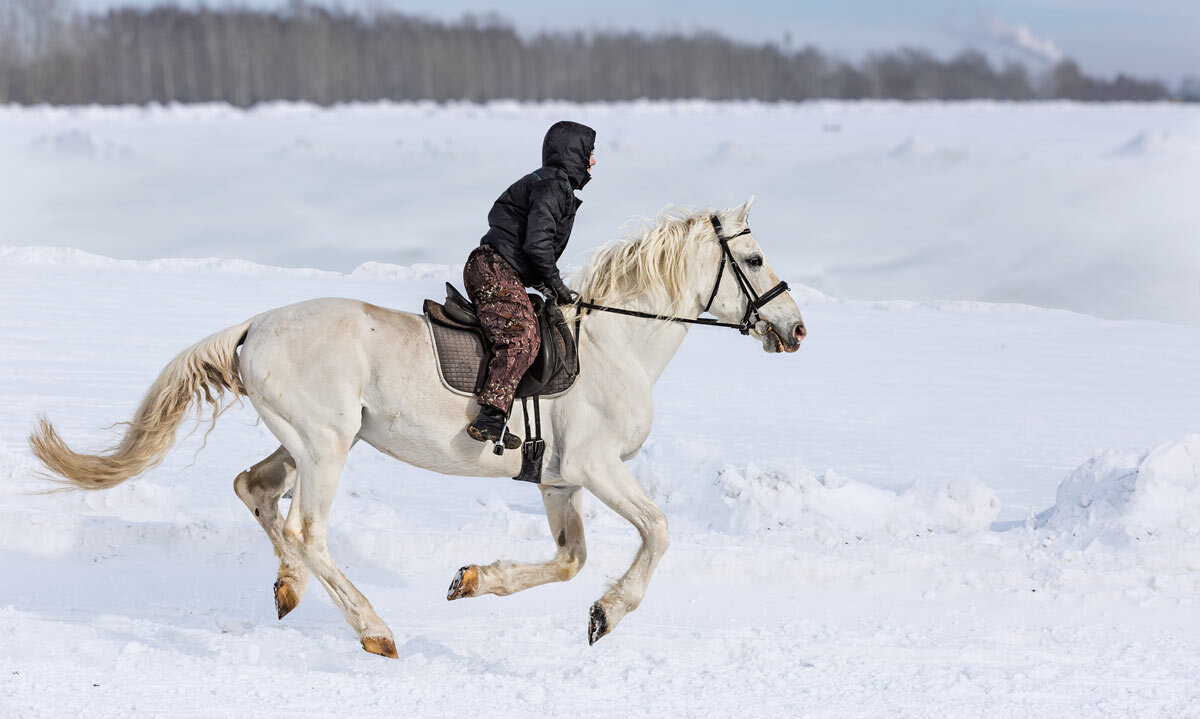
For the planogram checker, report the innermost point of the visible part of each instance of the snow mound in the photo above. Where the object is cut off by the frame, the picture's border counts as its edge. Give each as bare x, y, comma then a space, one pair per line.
696, 489
1151, 143
77, 144
1119, 497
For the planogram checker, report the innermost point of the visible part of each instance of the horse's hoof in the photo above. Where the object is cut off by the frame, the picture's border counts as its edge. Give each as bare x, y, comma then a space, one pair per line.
286, 598
464, 584
597, 623
383, 646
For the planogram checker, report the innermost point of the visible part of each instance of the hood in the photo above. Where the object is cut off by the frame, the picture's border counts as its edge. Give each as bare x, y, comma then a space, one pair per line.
569, 145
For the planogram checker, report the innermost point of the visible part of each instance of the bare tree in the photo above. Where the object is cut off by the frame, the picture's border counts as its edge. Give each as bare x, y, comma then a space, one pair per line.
329, 55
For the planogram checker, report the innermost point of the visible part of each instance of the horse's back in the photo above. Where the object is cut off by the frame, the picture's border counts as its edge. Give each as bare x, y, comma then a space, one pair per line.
330, 340
332, 321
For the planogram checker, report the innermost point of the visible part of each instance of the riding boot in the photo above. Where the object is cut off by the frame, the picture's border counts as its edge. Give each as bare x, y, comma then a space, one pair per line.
489, 426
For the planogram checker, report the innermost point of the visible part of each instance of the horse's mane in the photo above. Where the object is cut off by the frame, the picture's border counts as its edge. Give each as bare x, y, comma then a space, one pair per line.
654, 261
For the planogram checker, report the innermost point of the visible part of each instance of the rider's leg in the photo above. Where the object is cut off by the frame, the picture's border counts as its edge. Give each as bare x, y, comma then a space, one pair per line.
507, 317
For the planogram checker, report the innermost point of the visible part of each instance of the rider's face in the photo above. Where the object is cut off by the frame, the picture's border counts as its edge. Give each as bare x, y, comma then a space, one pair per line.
591, 163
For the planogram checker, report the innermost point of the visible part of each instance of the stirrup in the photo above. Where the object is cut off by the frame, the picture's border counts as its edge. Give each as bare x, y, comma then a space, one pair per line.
510, 441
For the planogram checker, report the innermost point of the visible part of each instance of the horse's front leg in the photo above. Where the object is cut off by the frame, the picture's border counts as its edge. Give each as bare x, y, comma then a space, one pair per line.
610, 480
564, 512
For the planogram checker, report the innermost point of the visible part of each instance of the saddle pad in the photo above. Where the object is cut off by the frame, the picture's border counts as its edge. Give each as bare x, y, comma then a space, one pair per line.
460, 354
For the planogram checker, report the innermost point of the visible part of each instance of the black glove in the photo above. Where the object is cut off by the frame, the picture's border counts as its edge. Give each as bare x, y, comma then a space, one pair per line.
557, 293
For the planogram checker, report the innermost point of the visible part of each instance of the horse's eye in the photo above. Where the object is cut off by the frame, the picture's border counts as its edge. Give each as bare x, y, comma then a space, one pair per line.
755, 261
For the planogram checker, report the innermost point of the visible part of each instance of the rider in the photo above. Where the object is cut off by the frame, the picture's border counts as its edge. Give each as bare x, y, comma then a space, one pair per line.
529, 227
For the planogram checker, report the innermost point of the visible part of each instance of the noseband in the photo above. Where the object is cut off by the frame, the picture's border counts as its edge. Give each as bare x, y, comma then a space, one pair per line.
754, 301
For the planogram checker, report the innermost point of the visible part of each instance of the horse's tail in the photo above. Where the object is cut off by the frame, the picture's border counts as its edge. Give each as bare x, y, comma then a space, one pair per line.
201, 373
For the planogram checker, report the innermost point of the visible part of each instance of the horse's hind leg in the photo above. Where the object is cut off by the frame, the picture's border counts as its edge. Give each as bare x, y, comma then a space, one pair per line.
564, 513
319, 462
260, 488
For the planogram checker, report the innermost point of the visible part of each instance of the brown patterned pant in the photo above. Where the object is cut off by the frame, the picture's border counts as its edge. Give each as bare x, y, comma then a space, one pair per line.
508, 320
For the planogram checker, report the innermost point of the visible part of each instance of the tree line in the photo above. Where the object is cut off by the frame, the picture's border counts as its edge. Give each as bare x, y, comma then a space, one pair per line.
165, 54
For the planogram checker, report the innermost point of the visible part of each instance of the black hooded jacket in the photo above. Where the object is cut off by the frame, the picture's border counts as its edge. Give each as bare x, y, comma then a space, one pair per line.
531, 222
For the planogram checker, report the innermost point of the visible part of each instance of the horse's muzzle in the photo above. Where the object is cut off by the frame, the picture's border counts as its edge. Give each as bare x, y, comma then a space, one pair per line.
785, 341
794, 338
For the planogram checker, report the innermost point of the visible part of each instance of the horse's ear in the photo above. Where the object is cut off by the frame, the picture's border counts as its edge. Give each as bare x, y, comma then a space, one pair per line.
744, 211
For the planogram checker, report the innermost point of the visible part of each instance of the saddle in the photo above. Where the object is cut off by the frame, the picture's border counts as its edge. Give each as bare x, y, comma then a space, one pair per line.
463, 349
463, 353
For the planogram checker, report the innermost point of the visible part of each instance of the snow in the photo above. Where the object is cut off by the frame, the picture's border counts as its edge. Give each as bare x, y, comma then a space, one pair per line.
1082, 207
1122, 496
941, 506
784, 496
1155, 142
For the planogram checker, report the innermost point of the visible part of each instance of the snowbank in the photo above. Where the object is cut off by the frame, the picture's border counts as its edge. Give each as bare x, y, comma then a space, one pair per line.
71, 257
1120, 497
699, 491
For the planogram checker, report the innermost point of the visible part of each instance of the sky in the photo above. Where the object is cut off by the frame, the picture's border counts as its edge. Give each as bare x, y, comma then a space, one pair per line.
1146, 38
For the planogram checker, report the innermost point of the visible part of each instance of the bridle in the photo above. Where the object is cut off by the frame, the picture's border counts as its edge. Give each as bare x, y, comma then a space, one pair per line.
754, 301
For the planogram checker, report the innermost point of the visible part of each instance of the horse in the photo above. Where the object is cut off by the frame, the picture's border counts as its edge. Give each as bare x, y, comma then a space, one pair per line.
327, 373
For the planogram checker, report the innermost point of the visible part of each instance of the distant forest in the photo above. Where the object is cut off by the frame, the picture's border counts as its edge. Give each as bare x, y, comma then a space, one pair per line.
51, 54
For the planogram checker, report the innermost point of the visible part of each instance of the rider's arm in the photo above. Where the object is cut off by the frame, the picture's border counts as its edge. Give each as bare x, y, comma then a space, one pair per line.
544, 212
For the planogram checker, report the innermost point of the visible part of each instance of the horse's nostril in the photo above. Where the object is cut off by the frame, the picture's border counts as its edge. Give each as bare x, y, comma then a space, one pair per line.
800, 333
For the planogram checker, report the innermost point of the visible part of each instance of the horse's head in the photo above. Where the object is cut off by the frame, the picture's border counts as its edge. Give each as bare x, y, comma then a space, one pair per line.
747, 276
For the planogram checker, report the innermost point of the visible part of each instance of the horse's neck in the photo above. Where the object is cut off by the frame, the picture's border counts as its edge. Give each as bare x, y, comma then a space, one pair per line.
649, 344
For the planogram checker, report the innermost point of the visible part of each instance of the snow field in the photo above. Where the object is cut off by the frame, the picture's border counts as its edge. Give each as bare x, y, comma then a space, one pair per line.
938, 508
1090, 208
940, 522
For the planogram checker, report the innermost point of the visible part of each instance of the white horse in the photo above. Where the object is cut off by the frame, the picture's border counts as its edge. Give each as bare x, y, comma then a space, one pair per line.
327, 373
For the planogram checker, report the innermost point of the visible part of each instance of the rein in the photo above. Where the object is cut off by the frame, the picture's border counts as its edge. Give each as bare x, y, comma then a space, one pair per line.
754, 301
